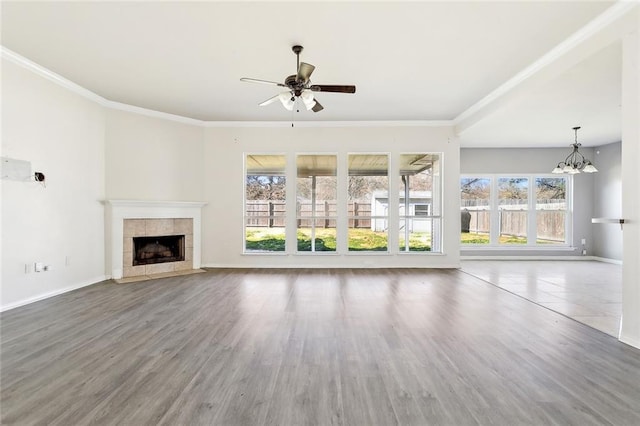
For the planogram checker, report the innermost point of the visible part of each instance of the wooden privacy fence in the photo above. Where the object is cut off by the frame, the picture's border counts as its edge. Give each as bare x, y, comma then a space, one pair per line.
272, 214
550, 223
269, 214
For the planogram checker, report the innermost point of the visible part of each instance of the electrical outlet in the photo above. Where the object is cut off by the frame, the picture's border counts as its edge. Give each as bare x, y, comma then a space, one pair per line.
38, 267
584, 252
584, 241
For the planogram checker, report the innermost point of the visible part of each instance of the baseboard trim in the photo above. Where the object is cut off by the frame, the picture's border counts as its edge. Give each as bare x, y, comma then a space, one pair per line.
560, 258
629, 341
43, 296
375, 266
607, 260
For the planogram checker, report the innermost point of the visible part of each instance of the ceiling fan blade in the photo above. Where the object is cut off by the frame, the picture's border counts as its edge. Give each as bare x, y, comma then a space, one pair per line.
333, 88
317, 107
255, 80
304, 72
270, 100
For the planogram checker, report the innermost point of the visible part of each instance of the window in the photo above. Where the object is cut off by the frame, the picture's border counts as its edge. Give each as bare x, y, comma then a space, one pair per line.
327, 217
419, 202
475, 208
551, 210
316, 202
421, 209
513, 193
265, 197
368, 202
515, 210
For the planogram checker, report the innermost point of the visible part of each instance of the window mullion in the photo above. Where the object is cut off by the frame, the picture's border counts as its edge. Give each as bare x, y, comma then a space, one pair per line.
494, 230
291, 220
532, 214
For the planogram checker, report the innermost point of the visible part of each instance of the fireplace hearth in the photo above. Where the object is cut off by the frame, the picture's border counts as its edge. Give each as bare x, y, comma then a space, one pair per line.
158, 249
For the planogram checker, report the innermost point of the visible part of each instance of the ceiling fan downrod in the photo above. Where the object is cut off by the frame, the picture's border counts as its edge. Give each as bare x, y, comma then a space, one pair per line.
297, 49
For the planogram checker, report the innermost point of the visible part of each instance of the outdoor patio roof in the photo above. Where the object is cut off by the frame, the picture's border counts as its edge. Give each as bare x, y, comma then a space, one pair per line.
326, 165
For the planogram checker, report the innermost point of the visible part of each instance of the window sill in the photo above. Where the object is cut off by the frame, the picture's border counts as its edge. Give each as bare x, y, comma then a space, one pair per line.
420, 253
264, 253
368, 253
316, 253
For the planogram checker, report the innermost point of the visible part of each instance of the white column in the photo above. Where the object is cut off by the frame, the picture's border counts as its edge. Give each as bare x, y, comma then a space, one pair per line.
630, 326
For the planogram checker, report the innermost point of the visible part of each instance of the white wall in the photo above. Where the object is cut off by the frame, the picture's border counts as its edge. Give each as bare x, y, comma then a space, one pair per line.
630, 327
607, 198
153, 159
62, 135
529, 161
223, 217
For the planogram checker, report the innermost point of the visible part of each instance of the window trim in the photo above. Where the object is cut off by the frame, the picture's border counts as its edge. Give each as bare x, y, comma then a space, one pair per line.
494, 202
371, 216
439, 191
245, 217
342, 217
313, 218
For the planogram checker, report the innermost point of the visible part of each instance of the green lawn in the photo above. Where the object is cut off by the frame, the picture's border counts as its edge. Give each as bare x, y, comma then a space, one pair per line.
479, 238
273, 239
264, 239
325, 239
473, 238
418, 241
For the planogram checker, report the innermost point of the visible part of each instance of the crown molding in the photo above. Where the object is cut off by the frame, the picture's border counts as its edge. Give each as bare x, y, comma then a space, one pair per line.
153, 113
88, 94
46, 73
37, 69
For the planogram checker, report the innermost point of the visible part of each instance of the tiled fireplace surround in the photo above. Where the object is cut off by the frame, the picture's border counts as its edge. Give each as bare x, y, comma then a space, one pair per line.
128, 218
155, 228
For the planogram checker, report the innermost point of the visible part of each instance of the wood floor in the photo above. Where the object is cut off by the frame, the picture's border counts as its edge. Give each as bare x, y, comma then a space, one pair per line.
310, 347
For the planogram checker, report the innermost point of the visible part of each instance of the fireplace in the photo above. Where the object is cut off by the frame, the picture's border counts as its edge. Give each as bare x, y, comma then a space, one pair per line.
157, 246
158, 249
128, 219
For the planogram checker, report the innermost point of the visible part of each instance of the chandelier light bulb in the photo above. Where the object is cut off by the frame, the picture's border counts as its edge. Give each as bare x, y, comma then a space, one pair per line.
589, 168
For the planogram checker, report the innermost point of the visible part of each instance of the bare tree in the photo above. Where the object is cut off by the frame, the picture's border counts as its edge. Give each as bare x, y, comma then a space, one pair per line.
551, 188
361, 187
261, 187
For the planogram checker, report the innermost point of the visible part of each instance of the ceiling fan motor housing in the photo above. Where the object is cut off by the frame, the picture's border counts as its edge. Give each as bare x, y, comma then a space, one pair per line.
296, 86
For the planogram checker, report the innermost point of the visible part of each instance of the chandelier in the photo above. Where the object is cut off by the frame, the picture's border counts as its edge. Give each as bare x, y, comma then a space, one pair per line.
575, 162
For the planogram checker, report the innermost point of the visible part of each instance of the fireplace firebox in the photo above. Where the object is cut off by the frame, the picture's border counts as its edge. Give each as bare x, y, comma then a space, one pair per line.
160, 249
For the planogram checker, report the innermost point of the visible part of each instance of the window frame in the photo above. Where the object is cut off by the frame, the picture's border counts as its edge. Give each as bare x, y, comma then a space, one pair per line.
245, 217
437, 220
390, 213
313, 218
372, 218
494, 209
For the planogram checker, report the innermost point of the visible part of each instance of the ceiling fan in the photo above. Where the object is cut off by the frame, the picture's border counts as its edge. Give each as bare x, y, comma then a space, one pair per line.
299, 86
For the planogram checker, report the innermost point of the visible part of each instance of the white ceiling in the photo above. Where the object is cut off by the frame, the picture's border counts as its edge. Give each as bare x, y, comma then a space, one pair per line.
409, 60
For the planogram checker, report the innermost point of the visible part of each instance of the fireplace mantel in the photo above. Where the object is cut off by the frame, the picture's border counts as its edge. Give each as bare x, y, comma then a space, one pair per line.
116, 211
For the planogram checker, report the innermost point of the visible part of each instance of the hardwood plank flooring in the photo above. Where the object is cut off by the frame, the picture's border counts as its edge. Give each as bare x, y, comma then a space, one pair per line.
309, 347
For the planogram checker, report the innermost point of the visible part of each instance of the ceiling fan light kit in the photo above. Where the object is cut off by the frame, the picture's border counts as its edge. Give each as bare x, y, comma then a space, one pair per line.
575, 161
299, 87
